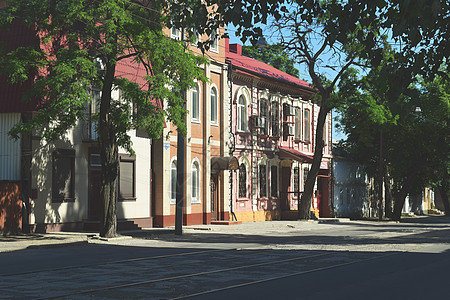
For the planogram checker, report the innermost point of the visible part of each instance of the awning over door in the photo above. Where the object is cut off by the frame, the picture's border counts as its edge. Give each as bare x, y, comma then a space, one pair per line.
219, 163
295, 155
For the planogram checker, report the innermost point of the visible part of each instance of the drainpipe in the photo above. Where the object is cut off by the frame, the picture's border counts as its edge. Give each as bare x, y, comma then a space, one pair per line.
232, 146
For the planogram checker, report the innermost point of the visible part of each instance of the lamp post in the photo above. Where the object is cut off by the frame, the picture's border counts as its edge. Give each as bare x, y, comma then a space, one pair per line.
380, 203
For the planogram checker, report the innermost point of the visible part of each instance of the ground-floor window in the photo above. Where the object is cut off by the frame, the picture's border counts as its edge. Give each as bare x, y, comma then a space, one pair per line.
63, 179
173, 181
262, 181
242, 181
274, 181
195, 182
127, 178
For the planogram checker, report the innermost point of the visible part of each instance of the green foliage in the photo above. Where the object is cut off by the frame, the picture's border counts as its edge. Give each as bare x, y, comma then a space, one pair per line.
415, 144
78, 36
273, 55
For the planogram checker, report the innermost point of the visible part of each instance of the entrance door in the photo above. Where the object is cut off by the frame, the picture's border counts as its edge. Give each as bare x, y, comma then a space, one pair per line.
323, 197
285, 183
94, 179
214, 198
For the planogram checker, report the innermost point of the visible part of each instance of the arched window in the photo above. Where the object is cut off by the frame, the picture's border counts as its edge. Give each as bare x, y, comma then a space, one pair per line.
242, 114
195, 109
195, 183
214, 105
242, 181
173, 182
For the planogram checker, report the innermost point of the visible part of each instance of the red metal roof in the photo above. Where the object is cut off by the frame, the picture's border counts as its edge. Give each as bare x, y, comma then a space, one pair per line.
261, 68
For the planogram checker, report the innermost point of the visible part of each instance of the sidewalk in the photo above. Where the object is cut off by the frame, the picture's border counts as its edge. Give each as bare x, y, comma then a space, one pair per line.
198, 234
65, 239
55, 239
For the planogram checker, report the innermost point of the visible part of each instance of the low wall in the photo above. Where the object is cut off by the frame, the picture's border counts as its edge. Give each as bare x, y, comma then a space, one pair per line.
10, 207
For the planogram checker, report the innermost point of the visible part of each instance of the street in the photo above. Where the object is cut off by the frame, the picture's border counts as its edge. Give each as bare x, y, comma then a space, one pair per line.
265, 260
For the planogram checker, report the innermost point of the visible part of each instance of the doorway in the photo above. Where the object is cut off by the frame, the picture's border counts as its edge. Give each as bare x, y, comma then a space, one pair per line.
214, 197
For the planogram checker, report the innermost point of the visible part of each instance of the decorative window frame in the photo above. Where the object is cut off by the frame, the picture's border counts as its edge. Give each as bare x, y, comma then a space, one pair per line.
214, 41
197, 118
214, 122
245, 93
306, 129
263, 162
275, 162
197, 198
173, 201
244, 160
275, 99
264, 97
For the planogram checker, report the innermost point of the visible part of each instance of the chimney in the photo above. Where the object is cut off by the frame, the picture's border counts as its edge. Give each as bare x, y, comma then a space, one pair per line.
236, 48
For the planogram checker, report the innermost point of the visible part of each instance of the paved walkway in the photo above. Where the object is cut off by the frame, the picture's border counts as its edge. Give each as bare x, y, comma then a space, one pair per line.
200, 236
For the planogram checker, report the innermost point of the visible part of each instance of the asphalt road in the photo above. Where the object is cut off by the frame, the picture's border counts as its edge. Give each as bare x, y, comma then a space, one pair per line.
270, 260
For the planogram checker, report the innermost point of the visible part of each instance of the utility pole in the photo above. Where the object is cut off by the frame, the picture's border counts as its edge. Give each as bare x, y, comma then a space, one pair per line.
180, 184
180, 170
380, 196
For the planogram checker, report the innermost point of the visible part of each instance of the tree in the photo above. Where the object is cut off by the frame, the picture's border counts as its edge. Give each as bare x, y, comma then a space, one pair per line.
273, 55
317, 49
352, 31
80, 44
416, 146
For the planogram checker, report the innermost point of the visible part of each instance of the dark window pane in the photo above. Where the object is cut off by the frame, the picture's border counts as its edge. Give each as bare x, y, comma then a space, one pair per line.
63, 177
274, 181
126, 184
296, 179
242, 181
262, 181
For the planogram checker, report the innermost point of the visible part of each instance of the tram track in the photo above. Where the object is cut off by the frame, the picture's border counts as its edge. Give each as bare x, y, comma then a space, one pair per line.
146, 282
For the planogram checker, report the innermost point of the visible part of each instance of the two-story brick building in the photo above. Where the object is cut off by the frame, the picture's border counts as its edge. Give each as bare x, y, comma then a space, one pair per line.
273, 121
205, 188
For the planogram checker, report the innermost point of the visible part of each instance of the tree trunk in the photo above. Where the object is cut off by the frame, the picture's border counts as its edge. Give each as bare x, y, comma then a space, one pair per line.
399, 200
443, 191
109, 158
387, 195
304, 205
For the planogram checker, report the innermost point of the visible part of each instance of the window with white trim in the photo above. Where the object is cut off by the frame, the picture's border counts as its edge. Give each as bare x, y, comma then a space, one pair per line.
175, 33
275, 119
214, 106
214, 41
263, 116
195, 182
306, 125
242, 114
173, 181
242, 181
297, 124
195, 101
